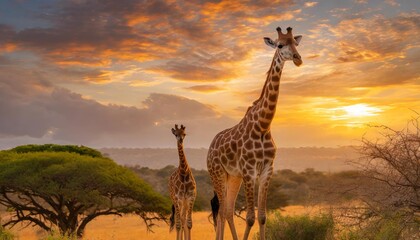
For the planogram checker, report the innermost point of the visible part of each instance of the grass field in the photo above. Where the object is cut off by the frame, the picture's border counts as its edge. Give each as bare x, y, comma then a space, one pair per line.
132, 228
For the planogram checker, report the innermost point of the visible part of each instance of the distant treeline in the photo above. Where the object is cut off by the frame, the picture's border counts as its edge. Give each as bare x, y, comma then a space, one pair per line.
296, 159
287, 187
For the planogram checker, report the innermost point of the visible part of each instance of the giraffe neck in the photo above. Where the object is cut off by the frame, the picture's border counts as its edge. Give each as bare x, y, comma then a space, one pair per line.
266, 106
183, 164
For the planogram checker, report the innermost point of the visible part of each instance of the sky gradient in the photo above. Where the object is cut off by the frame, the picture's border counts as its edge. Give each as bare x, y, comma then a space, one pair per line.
121, 73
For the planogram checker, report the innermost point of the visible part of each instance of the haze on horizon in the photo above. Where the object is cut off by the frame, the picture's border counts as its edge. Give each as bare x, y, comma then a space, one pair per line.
121, 74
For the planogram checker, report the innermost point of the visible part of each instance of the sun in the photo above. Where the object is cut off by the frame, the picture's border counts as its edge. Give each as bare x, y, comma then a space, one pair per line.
355, 115
360, 110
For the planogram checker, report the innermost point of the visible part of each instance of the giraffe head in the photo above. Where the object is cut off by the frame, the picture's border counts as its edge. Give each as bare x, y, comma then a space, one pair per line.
179, 133
286, 45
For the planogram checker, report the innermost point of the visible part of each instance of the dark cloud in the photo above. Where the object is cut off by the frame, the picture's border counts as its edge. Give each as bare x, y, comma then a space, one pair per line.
34, 110
169, 107
189, 72
99, 33
5, 60
7, 33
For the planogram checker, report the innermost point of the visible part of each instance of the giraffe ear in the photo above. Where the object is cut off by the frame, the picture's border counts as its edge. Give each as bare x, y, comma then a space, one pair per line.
298, 38
173, 131
269, 42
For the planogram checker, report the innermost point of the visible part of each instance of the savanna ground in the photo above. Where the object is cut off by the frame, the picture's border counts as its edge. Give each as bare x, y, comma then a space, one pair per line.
132, 228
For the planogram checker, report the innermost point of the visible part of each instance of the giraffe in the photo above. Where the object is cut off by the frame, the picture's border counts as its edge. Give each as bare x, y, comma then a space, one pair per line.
182, 189
245, 152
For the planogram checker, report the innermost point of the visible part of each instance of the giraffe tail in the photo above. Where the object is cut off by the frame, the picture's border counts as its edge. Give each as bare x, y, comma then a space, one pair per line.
214, 208
172, 219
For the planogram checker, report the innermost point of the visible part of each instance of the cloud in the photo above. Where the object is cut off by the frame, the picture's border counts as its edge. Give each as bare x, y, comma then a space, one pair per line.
189, 72
357, 53
361, 1
310, 4
5, 60
313, 56
34, 110
392, 3
205, 88
6, 38
377, 38
98, 34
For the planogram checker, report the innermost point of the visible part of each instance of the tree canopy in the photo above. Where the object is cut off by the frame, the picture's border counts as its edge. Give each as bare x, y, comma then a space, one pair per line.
82, 150
68, 186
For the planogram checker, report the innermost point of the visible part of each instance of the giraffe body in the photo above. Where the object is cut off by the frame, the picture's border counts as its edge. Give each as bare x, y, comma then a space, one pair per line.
245, 152
182, 190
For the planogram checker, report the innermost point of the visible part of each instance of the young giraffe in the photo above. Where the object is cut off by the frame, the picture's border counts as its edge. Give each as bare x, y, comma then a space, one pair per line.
246, 151
182, 189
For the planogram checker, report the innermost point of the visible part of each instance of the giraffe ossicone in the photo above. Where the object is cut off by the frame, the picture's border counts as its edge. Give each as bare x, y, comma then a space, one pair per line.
182, 190
245, 152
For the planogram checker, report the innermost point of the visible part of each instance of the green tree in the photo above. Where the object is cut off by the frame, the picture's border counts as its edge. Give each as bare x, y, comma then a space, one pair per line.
82, 150
69, 188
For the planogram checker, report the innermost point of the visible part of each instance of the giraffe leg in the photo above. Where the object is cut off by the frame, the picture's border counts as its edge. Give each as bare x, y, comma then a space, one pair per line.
189, 224
178, 221
219, 181
232, 188
249, 183
183, 220
262, 199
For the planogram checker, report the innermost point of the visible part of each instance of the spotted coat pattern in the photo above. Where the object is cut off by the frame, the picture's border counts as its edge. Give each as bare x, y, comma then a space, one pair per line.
182, 189
245, 152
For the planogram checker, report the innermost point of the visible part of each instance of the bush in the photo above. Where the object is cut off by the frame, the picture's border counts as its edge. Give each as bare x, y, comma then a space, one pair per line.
301, 227
57, 236
5, 235
391, 226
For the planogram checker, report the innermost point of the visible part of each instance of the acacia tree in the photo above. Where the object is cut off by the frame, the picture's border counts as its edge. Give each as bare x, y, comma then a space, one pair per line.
389, 187
394, 165
67, 190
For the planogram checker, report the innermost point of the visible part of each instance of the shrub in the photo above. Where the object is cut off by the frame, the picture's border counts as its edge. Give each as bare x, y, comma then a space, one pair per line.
57, 236
390, 226
5, 235
302, 227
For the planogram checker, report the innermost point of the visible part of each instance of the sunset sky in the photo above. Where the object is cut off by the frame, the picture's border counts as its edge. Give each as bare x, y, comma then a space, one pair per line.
121, 73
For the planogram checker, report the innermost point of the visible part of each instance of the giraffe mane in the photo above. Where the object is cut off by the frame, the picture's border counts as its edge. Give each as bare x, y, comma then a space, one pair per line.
266, 80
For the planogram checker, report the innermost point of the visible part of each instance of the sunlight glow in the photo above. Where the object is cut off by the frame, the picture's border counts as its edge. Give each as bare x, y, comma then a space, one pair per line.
360, 111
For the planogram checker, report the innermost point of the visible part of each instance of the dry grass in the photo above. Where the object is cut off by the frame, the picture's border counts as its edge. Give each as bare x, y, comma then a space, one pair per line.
132, 228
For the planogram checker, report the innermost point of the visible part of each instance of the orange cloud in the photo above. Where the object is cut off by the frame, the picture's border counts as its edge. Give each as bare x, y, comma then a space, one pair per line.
98, 77
187, 41
8, 47
377, 38
205, 88
310, 4
143, 83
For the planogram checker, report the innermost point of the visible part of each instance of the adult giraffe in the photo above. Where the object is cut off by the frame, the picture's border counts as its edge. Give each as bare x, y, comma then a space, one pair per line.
246, 151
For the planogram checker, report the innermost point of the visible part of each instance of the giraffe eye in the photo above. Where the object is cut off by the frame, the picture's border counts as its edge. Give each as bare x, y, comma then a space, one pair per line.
280, 46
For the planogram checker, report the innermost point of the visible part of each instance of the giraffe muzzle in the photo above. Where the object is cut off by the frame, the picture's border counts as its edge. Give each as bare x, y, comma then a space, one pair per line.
297, 60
